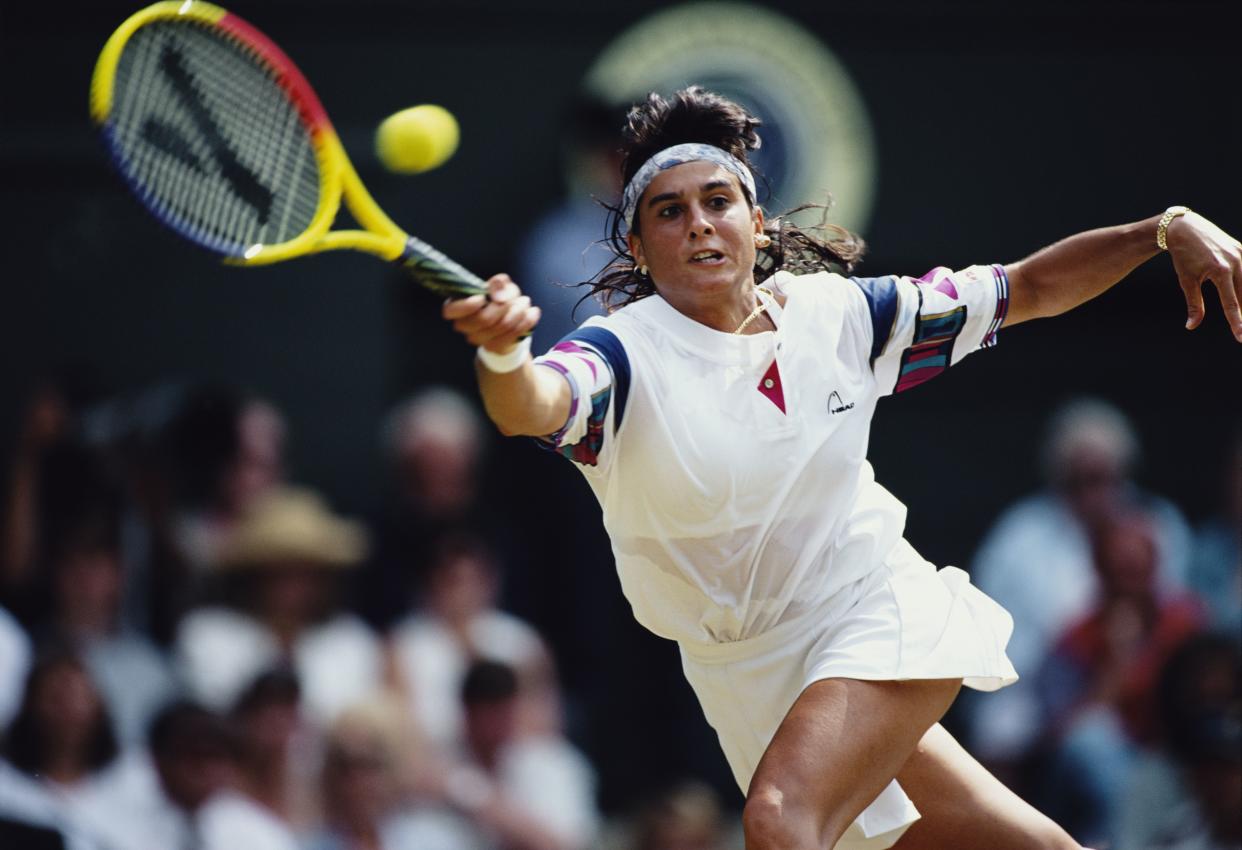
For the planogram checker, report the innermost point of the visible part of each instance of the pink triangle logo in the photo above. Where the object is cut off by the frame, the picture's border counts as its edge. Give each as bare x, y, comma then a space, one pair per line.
770, 387
946, 286
940, 276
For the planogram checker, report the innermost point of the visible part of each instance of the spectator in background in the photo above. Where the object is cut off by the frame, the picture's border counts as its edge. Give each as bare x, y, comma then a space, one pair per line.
193, 756
85, 573
149, 437
459, 622
434, 443
61, 767
281, 572
1099, 684
66, 520
687, 818
1036, 562
276, 751
1216, 560
51, 471
229, 450
196, 805
192, 457
527, 792
1187, 795
75, 490
62, 733
368, 769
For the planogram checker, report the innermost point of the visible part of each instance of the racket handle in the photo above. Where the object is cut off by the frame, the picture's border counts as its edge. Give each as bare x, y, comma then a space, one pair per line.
437, 272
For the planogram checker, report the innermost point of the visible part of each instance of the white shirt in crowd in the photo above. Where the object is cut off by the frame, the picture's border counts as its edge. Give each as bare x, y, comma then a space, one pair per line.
433, 663
14, 665
220, 651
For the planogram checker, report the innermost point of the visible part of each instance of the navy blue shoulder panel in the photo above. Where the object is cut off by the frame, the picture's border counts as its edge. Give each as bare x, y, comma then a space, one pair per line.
611, 349
881, 295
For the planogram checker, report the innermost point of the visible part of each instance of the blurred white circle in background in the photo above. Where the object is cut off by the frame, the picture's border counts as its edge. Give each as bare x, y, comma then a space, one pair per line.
817, 139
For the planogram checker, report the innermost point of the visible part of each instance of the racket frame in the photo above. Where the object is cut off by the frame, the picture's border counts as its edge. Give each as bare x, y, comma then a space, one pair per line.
381, 236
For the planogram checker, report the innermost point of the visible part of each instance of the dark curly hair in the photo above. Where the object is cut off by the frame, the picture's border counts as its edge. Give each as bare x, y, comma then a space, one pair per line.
697, 115
28, 741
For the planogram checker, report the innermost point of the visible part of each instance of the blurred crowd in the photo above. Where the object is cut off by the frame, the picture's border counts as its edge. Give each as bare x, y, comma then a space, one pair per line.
199, 654
1126, 727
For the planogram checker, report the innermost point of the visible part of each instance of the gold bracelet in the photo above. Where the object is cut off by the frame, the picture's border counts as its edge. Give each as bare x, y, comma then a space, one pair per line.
1162, 229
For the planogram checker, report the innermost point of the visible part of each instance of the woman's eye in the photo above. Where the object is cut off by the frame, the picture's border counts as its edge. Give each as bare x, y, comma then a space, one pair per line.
719, 202
668, 212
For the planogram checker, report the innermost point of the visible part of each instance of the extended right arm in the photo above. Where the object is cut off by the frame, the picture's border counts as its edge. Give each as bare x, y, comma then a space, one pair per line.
530, 400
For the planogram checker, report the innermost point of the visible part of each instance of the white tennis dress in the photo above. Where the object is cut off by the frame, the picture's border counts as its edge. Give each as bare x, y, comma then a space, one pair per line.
744, 516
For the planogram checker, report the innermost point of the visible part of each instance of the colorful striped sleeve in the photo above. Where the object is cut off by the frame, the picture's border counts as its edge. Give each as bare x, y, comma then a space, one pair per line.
594, 363
921, 326
881, 295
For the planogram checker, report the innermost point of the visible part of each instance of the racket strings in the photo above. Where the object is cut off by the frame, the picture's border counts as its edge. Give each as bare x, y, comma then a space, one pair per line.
211, 140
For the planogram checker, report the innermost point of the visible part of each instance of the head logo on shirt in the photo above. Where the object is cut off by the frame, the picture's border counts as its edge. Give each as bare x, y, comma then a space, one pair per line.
836, 405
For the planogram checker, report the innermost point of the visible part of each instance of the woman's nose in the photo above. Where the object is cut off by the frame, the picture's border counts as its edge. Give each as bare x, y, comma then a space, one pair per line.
699, 223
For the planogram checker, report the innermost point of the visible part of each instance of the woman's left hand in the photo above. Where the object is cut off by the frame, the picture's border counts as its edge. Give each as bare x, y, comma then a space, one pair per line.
1201, 251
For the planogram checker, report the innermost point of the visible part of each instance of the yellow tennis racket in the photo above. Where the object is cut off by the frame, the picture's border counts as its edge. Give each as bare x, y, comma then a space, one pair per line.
218, 133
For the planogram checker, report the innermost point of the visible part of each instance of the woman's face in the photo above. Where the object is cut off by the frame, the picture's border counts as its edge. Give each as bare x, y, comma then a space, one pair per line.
66, 703
88, 589
696, 233
461, 587
293, 592
1126, 560
269, 729
359, 780
259, 463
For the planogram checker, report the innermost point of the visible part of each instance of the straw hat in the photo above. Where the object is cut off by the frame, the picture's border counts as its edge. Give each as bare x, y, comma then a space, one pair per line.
292, 524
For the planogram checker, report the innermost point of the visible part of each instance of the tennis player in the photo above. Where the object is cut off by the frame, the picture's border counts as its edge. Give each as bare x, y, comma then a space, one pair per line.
721, 412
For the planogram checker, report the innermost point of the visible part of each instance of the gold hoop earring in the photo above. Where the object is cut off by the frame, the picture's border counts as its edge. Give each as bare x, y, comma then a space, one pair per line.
643, 271
762, 240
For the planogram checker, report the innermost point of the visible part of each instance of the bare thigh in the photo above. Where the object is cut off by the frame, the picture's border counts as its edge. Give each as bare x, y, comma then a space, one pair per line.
965, 807
840, 744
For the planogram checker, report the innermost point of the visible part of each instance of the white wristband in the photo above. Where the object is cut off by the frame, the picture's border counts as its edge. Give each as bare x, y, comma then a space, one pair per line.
507, 362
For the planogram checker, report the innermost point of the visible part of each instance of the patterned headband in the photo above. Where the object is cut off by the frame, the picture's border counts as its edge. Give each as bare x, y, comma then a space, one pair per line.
679, 155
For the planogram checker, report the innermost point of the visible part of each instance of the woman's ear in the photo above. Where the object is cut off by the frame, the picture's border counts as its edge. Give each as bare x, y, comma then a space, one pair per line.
636, 248
757, 215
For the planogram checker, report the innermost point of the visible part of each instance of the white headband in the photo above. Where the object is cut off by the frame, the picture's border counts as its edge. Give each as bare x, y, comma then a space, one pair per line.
680, 155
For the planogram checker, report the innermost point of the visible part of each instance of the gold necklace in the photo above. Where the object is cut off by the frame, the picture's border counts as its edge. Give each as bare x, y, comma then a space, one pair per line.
754, 314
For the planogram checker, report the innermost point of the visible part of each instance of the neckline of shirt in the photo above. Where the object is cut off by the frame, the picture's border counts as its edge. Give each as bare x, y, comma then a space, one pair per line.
720, 346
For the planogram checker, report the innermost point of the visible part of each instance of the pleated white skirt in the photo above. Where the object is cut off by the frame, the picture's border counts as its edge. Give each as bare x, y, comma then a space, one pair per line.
906, 620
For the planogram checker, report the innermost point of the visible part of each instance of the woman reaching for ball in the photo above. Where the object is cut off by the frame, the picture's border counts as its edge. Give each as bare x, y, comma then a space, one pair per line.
721, 414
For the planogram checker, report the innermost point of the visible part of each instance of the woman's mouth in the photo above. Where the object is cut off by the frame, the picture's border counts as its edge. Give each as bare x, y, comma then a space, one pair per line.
707, 257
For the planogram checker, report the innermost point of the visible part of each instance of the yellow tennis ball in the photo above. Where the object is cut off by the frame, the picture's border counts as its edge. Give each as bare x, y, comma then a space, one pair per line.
417, 139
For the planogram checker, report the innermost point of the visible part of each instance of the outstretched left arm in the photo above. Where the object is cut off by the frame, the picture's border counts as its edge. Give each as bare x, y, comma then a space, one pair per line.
1074, 270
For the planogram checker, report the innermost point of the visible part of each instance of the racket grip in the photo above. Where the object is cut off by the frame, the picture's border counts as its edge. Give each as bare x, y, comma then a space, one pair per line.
435, 271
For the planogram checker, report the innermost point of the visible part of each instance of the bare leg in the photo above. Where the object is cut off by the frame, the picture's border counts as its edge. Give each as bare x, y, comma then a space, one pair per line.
967, 808
840, 744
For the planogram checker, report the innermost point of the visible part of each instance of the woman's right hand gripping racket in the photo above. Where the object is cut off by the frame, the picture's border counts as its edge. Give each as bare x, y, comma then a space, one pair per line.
218, 133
